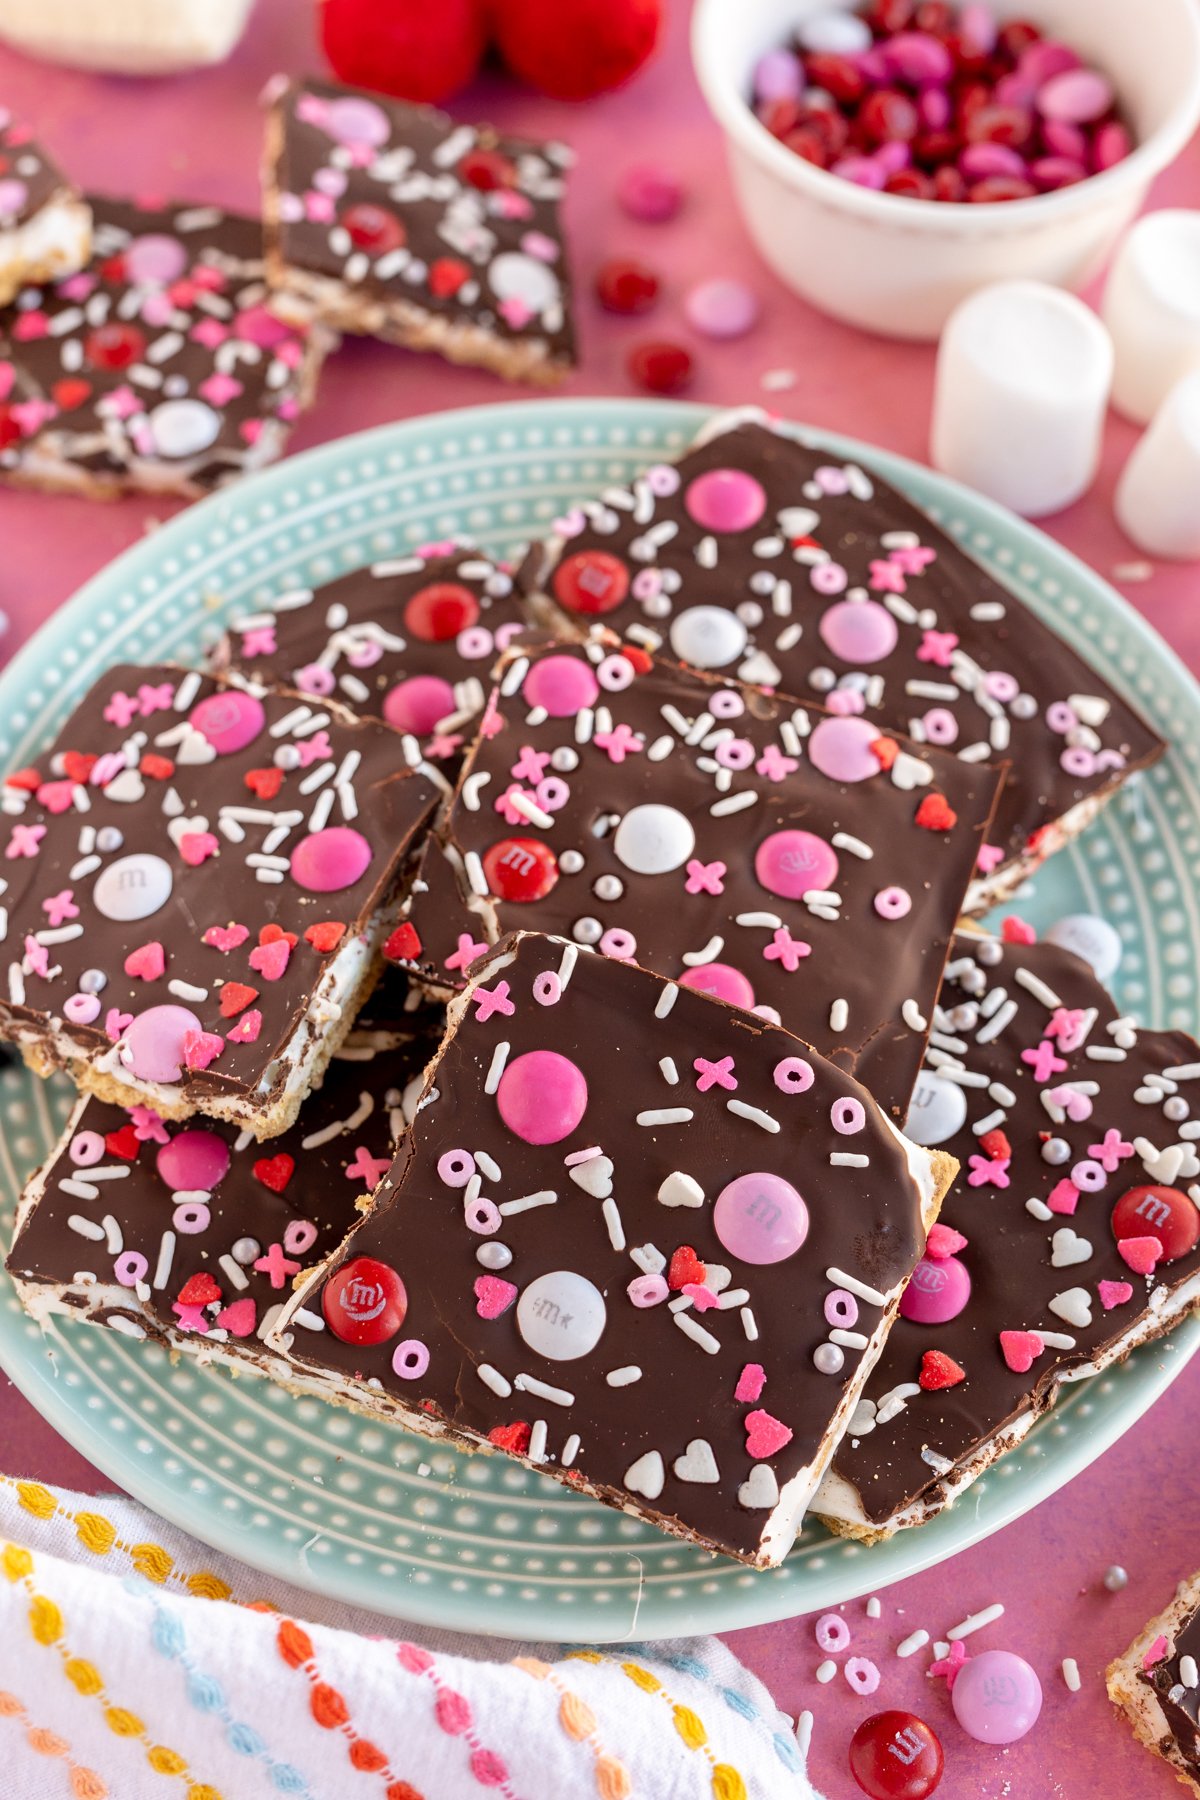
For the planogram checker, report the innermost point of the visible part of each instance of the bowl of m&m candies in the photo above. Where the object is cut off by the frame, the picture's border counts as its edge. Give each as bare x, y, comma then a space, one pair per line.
891, 156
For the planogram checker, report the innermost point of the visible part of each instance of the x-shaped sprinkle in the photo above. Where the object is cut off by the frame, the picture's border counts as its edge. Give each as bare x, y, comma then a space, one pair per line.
492, 1000
936, 647
1043, 1061
620, 742
153, 699
24, 841
317, 748
259, 641
467, 951
122, 710
60, 907
370, 1169
530, 765
705, 878
772, 765
278, 1266
1067, 1025
989, 1171
1112, 1151
714, 1074
887, 577
786, 949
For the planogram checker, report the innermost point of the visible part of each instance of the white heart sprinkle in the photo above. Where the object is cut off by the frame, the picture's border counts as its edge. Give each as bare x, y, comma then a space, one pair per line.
1068, 1248
797, 521
761, 1491
681, 1190
128, 786
181, 827
1074, 1305
759, 668
195, 748
647, 1475
697, 1463
716, 1277
594, 1176
910, 772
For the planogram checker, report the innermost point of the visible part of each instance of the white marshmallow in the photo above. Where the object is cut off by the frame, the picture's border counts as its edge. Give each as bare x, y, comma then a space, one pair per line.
1158, 496
1152, 308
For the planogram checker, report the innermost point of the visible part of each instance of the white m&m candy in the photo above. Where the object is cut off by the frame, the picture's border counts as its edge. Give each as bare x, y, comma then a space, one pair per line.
561, 1316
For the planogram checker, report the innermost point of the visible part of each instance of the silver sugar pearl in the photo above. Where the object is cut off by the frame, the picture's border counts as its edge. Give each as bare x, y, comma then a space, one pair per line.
671, 579
108, 838
570, 862
608, 887
822, 680
761, 582
587, 931
93, 981
1023, 707
750, 613
247, 1250
658, 606
564, 759
287, 757
1056, 1151
989, 952
1176, 1108
1115, 1579
828, 1359
494, 1256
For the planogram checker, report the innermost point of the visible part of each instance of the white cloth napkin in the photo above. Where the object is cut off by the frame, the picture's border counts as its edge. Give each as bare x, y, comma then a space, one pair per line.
136, 1663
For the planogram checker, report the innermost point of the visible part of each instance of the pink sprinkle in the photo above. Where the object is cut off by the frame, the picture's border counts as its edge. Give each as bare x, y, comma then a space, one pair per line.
765, 1435
944, 1241
1063, 1196
1141, 1253
493, 1296
862, 1675
225, 937
701, 1297
751, 1382
1113, 1293
115, 1022
647, 1290
148, 961
832, 1632
271, 959
1155, 1652
200, 1048
247, 1028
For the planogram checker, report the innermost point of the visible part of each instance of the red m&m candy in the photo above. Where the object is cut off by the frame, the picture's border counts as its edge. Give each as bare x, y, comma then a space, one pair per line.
520, 869
1159, 1212
115, 345
365, 1302
623, 286
437, 613
660, 368
591, 581
896, 1756
372, 228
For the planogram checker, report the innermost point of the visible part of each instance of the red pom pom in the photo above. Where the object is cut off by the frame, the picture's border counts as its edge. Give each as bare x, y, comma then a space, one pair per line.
572, 49
404, 47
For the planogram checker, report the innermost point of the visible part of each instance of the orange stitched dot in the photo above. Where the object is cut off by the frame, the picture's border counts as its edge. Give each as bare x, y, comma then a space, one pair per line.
207, 1586
44, 1742
367, 1756
45, 1620
83, 1676
532, 1666
642, 1678
87, 1785
612, 1779
578, 1719
10, 1707
95, 1532
200, 1790
36, 1499
152, 1561
125, 1724
402, 1790
328, 1707
295, 1646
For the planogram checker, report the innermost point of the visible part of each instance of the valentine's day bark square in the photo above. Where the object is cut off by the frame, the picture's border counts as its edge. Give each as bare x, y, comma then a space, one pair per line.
45, 225
1071, 1233
1156, 1684
759, 556
411, 640
197, 880
194, 1235
808, 865
646, 1243
161, 366
395, 221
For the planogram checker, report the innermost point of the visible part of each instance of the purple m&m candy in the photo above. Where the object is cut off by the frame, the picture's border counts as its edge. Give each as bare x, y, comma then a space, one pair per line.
542, 1096
153, 1043
721, 308
1078, 96
725, 500
358, 122
561, 685
760, 1218
778, 76
155, 259
859, 631
229, 720
841, 749
193, 1159
329, 860
938, 1291
996, 1697
794, 863
417, 704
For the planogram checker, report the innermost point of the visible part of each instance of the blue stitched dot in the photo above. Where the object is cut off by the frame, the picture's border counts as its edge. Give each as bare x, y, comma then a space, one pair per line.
788, 1752
739, 1703
288, 1780
245, 1740
204, 1693
169, 1639
687, 1665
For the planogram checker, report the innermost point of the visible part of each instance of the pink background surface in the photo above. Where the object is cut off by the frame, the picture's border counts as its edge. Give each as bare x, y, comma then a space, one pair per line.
197, 137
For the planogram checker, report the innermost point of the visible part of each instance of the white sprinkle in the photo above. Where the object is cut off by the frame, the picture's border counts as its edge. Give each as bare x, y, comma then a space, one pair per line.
733, 803
649, 1260
623, 1377
666, 1000
913, 1017
494, 1379
771, 921
666, 1115
537, 1442
489, 1168
985, 611
78, 1189
696, 958
989, 1121
529, 1384
496, 1068
749, 1325
997, 1023
1188, 1672
1038, 1208
612, 1218
849, 1159
755, 1114
166, 1256
1033, 984
86, 1228
916, 1640
474, 872
826, 1671
527, 1202
872, 1296
670, 1072
1057, 1340
185, 990
234, 1271
839, 1015
1003, 1096
842, 840
311, 1321
874, 1607
1070, 1674
850, 1340
660, 749
570, 1450
1102, 1053
1183, 1072
697, 1333
566, 964
976, 1622
804, 1724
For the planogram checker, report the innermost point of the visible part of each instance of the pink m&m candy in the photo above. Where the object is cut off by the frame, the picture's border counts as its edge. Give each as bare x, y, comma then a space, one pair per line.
760, 1218
329, 860
859, 631
193, 1159
725, 500
229, 720
418, 704
721, 308
357, 122
154, 1042
722, 982
841, 749
794, 863
996, 1697
938, 1291
650, 193
561, 685
155, 258
542, 1096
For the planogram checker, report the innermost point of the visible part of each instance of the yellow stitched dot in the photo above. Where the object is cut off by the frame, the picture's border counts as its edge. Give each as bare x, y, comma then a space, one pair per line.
578, 1719
592, 1656
642, 1678
200, 1790
532, 1666
123, 1723
727, 1784
45, 1620
690, 1728
152, 1561
96, 1533
83, 1676
207, 1586
37, 1499
612, 1779
164, 1761
17, 1563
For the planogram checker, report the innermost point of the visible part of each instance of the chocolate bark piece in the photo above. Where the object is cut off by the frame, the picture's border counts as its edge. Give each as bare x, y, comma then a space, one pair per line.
1077, 1211
647, 1243
759, 556
190, 1234
1155, 1684
412, 640
773, 855
395, 221
199, 879
396, 1011
45, 225
162, 366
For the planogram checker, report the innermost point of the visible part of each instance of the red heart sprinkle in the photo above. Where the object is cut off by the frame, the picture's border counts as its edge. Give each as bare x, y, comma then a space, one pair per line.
939, 1371
71, 392
271, 934
28, 780
511, 1437
235, 997
1020, 1349
239, 1319
275, 1171
936, 814
77, 765
124, 1143
685, 1268
403, 944
1141, 1253
446, 276
158, 768
996, 1145
640, 661
884, 750
201, 1290
1017, 931
325, 937
765, 1434
225, 937
265, 783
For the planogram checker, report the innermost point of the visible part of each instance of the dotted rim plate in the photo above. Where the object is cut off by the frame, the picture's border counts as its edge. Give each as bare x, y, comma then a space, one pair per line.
360, 1509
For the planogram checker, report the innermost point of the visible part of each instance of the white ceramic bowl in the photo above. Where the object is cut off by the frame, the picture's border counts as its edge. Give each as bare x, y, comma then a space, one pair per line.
899, 266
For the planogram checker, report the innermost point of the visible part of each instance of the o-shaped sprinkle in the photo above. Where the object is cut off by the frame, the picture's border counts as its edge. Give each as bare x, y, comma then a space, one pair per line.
410, 1359
1061, 717
726, 704
841, 1309
191, 1217
456, 1167
474, 643
793, 1075
87, 1147
615, 673
621, 945
482, 1217
547, 991
130, 1268
847, 1115
893, 903
828, 577
1089, 1176
300, 1236
647, 1290
735, 753
862, 1674
553, 793
832, 1632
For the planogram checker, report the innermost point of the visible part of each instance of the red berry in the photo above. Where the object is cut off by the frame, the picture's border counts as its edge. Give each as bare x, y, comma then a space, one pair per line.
914, 184
115, 345
896, 1756
887, 115
487, 170
660, 368
1007, 125
574, 51
591, 581
1159, 1212
1000, 187
365, 1302
404, 47
372, 228
837, 75
939, 1371
520, 869
623, 286
437, 613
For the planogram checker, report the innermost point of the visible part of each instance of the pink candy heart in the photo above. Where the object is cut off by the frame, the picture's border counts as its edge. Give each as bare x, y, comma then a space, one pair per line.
943, 1241
1141, 1253
201, 1048
1063, 1196
225, 937
56, 796
765, 1434
239, 1318
493, 1296
751, 1382
1021, 1349
270, 960
196, 847
116, 1022
148, 961
247, 1028
1113, 1293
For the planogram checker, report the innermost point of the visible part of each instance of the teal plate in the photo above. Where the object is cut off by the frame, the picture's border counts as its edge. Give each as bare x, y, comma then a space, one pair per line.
315, 1494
